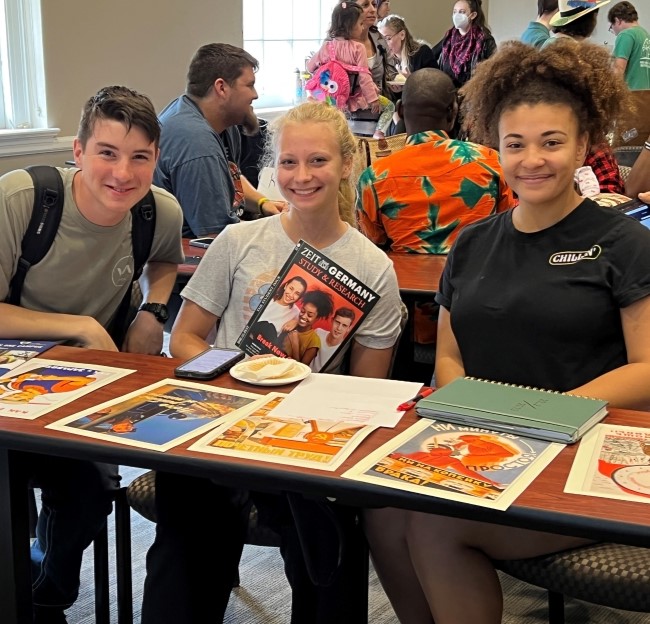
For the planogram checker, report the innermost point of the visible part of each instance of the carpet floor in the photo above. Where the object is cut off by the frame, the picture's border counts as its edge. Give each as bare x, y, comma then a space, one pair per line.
264, 596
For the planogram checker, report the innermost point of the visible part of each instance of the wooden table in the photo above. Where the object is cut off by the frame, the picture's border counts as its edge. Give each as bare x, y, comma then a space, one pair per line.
418, 275
542, 506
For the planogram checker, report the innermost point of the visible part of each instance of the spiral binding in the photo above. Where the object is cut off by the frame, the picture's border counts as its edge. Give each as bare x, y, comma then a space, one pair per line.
503, 383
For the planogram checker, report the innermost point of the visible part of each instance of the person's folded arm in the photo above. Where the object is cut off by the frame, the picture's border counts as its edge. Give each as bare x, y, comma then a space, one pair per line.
449, 363
191, 330
145, 334
369, 362
20, 323
638, 180
620, 65
628, 386
252, 195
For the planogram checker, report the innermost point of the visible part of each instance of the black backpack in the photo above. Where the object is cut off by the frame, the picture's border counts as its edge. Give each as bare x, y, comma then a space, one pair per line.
42, 228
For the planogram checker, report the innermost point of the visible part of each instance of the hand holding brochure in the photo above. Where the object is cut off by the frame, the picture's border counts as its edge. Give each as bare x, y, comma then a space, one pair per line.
541, 414
310, 312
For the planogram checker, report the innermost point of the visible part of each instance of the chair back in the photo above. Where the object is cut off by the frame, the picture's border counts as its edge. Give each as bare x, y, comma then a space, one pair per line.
369, 149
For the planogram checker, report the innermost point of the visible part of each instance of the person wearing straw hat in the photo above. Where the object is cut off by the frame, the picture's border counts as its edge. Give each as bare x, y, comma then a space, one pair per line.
576, 19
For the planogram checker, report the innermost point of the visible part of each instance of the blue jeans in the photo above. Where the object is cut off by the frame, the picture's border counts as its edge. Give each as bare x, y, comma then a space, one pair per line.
76, 498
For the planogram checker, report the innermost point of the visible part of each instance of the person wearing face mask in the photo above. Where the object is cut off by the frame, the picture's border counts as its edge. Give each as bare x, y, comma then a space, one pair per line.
465, 45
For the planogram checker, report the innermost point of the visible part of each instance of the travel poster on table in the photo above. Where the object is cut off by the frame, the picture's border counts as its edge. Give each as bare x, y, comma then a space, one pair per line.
159, 416
40, 386
14, 353
464, 464
313, 306
612, 461
257, 434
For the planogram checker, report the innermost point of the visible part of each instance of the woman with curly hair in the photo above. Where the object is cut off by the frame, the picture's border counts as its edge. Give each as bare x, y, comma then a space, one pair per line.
591, 337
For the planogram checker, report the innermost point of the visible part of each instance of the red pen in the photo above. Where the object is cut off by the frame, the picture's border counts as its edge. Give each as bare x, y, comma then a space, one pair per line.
411, 403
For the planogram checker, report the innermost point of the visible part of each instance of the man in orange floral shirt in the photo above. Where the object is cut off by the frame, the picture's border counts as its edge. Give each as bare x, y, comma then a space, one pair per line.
419, 198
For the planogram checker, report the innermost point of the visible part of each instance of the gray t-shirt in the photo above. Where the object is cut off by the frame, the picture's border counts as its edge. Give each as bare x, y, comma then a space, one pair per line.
245, 258
88, 268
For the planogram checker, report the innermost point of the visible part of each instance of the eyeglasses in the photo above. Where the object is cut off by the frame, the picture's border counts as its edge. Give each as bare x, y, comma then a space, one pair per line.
389, 38
611, 28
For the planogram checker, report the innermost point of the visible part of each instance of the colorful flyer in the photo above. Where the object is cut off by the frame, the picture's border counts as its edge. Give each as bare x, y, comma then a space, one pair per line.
40, 386
465, 464
257, 434
159, 416
612, 462
14, 353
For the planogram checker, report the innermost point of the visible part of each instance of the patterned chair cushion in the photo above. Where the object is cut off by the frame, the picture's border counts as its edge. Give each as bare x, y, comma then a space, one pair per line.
612, 575
140, 495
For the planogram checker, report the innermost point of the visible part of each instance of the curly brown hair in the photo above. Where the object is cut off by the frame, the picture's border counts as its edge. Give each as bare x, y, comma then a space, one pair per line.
578, 74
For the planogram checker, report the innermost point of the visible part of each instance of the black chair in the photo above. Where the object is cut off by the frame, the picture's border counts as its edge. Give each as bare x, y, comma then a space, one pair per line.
140, 496
611, 575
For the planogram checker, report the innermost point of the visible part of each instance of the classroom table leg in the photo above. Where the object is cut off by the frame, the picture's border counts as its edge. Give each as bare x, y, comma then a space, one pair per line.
15, 574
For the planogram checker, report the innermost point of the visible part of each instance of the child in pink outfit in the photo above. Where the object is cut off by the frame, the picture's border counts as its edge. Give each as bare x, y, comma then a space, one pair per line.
347, 25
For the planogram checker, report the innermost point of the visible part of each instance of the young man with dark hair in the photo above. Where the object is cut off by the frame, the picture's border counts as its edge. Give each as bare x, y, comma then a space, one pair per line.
342, 323
74, 293
632, 48
538, 32
201, 144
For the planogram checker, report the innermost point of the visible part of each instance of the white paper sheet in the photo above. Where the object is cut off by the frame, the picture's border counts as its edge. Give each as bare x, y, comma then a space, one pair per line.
351, 399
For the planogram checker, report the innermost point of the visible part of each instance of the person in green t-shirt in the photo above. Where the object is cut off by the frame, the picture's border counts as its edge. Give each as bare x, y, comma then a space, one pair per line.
632, 47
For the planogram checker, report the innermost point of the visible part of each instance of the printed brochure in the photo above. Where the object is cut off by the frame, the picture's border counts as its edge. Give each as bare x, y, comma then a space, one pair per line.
310, 311
14, 353
40, 386
612, 461
465, 464
257, 434
159, 416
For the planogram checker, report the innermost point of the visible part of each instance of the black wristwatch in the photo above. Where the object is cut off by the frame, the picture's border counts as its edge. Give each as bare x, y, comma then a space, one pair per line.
159, 310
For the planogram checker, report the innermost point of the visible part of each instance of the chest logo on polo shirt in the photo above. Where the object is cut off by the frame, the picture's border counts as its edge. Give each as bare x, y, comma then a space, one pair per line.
572, 257
122, 271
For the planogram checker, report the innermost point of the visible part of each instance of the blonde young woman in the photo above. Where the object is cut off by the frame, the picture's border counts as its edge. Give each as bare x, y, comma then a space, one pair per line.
313, 154
408, 53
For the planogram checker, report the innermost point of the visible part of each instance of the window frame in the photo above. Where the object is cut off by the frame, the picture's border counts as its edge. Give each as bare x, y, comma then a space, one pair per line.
283, 75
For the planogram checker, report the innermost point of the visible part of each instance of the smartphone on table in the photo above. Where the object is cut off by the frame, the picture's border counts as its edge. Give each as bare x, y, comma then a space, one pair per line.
209, 363
201, 242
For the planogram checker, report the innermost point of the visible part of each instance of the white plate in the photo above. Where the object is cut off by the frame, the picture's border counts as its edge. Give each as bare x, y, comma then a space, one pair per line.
395, 83
236, 372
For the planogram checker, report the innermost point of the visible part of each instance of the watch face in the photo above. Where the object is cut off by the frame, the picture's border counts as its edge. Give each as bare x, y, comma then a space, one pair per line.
159, 310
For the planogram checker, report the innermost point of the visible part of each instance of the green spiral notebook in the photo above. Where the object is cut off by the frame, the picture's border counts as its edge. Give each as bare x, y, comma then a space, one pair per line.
531, 412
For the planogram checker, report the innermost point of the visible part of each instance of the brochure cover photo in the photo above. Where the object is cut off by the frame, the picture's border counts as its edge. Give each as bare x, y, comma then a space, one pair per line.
465, 464
159, 416
14, 353
258, 434
40, 386
310, 311
613, 461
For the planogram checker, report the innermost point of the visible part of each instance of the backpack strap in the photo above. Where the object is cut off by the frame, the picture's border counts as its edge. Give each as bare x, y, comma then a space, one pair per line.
143, 227
43, 224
